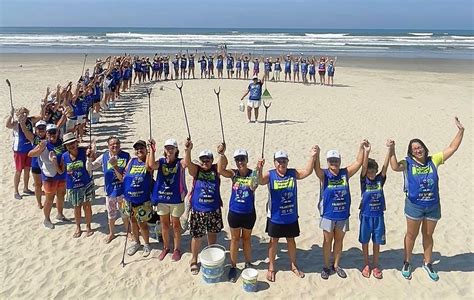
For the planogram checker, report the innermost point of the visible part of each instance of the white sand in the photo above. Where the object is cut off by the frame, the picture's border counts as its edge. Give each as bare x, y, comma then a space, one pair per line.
371, 103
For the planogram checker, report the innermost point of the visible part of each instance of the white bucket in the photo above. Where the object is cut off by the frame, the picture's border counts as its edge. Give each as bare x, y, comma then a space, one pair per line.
212, 263
94, 117
241, 107
249, 277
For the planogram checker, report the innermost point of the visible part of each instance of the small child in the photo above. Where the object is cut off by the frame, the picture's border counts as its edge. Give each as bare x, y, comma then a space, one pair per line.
372, 208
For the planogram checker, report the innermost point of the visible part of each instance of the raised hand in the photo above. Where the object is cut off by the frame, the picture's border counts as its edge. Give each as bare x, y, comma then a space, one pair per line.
367, 146
188, 145
390, 143
221, 148
458, 123
260, 164
315, 151
113, 161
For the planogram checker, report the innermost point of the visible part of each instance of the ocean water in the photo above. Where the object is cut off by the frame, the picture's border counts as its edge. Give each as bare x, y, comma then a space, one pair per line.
454, 44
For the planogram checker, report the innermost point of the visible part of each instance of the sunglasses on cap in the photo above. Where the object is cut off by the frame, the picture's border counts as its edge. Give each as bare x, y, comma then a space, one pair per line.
53, 131
240, 158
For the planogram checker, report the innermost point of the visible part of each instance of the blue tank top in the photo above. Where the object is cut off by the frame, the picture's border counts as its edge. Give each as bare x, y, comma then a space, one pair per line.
312, 69
145, 67
206, 195
166, 67
246, 65
238, 64
80, 107
373, 199
220, 64
288, 65
191, 63
335, 196
267, 66
58, 149
203, 63
138, 66
277, 66
330, 68
242, 198
155, 65
255, 91
160, 66
176, 63
184, 63
112, 185
230, 63
20, 143
296, 67
282, 197
34, 160
210, 62
116, 74
322, 67
421, 182
76, 173
170, 186
137, 183
256, 66
304, 68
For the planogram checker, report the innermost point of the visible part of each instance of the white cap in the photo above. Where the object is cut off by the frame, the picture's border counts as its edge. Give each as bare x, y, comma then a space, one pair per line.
254, 77
280, 154
241, 152
333, 154
51, 127
41, 123
206, 153
171, 142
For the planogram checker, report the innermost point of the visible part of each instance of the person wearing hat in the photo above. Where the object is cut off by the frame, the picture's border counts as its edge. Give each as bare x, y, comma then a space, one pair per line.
168, 193
137, 184
288, 60
334, 205
79, 186
113, 163
21, 146
241, 216
206, 202
282, 206
254, 91
49, 152
36, 138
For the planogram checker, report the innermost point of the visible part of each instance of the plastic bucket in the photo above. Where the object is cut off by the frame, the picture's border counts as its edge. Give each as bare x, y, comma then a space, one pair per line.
212, 263
154, 230
94, 117
111, 104
249, 277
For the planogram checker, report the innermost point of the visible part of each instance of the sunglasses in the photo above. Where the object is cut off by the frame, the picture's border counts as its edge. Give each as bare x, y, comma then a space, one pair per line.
205, 160
140, 149
52, 131
281, 160
41, 127
240, 158
333, 160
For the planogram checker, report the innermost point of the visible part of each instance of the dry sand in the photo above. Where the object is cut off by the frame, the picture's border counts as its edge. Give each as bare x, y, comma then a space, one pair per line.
373, 103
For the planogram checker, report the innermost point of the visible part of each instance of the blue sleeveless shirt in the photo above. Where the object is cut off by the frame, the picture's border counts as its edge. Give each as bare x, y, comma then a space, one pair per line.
242, 198
170, 186
112, 185
282, 206
206, 195
76, 173
373, 199
137, 183
421, 182
335, 196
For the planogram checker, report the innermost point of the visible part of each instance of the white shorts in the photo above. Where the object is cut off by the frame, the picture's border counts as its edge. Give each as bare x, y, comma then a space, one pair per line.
329, 225
254, 103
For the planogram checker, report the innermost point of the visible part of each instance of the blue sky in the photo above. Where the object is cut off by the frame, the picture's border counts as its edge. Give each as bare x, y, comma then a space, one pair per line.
361, 14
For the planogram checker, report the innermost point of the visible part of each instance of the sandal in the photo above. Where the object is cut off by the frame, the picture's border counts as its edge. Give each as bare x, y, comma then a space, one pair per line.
77, 234
298, 273
194, 268
377, 273
271, 275
366, 271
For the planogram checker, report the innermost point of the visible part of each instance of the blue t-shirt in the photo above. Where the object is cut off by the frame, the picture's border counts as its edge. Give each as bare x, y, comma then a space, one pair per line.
335, 196
373, 199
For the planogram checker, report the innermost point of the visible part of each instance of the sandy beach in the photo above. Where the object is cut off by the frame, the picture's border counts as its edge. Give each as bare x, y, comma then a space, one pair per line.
373, 99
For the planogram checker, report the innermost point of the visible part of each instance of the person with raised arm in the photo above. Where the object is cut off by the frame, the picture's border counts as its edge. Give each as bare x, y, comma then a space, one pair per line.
422, 200
334, 205
241, 216
254, 91
282, 206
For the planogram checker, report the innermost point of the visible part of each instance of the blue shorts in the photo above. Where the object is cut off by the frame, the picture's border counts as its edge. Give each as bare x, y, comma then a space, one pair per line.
418, 212
372, 227
330, 74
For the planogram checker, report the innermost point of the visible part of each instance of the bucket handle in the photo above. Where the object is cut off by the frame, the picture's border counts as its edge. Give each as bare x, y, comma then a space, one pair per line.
215, 246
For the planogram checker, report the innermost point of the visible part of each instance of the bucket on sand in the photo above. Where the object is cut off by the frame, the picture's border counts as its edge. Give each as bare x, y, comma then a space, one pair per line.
111, 104
249, 277
212, 263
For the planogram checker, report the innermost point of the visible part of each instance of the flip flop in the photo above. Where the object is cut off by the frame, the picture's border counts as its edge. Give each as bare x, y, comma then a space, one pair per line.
271, 275
77, 234
377, 273
194, 268
366, 271
89, 233
298, 273
109, 238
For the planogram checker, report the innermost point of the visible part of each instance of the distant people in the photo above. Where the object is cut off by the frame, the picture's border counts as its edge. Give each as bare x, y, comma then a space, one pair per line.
331, 70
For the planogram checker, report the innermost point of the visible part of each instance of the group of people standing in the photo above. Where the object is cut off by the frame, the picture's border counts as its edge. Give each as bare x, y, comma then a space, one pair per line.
240, 66
63, 168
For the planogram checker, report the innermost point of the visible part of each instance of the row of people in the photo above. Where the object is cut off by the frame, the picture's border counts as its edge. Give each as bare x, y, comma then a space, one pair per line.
238, 67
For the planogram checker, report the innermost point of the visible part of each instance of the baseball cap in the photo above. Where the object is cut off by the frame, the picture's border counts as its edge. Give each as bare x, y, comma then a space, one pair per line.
41, 123
139, 143
51, 127
171, 142
280, 154
241, 152
333, 154
69, 138
254, 77
206, 153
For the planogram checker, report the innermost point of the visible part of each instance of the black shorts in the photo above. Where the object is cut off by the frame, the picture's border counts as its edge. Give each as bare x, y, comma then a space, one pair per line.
202, 223
282, 230
35, 170
322, 73
237, 220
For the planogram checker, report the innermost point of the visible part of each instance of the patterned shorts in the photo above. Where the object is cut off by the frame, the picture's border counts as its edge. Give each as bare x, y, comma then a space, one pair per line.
202, 223
142, 213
